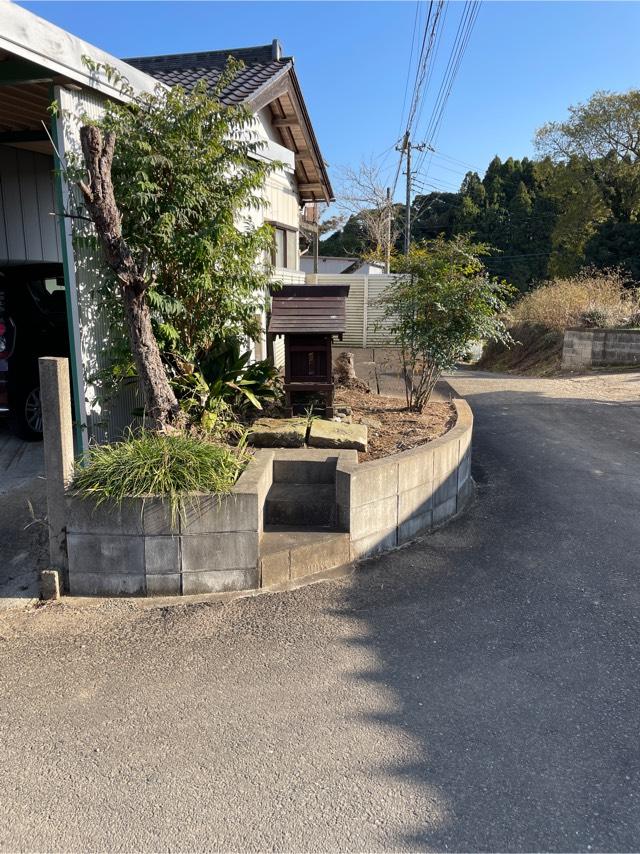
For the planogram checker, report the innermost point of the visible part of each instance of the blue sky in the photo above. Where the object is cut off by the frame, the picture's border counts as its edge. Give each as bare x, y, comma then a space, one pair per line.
525, 63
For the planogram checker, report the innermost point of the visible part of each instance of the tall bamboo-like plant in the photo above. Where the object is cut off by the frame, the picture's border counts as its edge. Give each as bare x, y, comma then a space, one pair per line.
442, 300
172, 179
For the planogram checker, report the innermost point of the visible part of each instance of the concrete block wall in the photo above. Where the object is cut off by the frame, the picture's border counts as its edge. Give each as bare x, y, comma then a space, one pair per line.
385, 503
134, 549
586, 348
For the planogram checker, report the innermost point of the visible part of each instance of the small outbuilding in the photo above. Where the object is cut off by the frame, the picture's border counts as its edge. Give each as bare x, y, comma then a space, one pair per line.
309, 316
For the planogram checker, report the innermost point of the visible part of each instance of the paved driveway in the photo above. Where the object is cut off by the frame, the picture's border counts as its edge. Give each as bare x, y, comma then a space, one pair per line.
23, 548
479, 690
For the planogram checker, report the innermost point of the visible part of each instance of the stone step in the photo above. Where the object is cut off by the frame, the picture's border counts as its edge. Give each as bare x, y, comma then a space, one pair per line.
306, 504
314, 467
289, 555
309, 465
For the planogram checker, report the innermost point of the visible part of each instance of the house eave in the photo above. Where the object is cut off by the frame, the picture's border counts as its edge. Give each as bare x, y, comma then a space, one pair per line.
317, 188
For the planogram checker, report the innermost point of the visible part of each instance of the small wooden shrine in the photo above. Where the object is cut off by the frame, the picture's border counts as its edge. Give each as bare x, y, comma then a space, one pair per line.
308, 316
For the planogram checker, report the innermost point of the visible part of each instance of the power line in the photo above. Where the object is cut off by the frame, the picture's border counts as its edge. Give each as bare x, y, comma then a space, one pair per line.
448, 157
421, 70
424, 70
406, 85
436, 39
461, 40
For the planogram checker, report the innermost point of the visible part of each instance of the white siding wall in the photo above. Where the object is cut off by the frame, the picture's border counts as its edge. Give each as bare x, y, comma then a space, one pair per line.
283, 207
332, 266
28, 229
281, 196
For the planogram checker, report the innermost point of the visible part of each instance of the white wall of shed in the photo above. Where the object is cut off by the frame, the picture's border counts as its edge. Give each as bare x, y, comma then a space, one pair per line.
333, 266
103, 419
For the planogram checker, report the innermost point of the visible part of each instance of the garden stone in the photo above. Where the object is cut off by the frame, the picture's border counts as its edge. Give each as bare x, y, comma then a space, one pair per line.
330, 434
279, 433
373, 423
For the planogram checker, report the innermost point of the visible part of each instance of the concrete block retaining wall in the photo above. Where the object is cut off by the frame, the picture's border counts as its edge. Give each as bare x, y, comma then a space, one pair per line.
385, 503
586, 348
135, 550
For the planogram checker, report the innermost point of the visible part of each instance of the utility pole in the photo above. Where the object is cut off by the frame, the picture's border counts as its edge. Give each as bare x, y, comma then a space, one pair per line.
316, 245
407, 208
407, 147
387, 260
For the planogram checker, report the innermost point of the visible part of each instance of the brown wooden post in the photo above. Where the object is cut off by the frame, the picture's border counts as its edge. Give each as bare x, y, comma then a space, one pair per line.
55, 395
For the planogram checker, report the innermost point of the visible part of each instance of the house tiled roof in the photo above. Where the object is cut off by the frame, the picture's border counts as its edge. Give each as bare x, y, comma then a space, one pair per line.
262, 64
268, 78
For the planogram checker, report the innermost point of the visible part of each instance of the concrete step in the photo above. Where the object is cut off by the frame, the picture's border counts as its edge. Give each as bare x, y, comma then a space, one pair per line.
289, 555
308, 504
309, 465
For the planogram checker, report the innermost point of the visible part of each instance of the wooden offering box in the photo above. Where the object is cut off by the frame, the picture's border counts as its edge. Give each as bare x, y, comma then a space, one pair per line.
309, 316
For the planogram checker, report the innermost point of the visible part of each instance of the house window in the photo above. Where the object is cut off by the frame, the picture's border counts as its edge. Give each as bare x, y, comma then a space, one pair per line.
284, 252
279, 258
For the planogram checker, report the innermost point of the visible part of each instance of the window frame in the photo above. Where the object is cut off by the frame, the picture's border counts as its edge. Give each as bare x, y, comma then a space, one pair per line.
288, 234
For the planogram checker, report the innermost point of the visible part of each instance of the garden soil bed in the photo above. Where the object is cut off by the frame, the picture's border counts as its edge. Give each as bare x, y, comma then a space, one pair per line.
391, 427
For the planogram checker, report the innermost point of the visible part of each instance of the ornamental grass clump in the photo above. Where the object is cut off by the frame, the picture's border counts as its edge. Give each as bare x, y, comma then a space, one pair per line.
145, 464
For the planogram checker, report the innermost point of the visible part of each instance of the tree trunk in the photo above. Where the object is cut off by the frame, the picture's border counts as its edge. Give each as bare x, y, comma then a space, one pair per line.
344, 368
160, 402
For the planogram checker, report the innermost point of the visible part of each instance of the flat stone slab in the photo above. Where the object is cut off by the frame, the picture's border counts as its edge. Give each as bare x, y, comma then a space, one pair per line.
333, 434
278, 433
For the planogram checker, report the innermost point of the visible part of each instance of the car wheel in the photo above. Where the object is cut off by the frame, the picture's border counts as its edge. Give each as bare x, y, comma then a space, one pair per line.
27, 413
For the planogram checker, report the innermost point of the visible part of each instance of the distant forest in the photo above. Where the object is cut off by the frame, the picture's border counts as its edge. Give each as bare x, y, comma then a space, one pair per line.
543, 218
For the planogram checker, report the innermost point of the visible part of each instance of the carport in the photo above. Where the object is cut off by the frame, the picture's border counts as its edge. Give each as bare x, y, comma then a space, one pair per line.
41, 64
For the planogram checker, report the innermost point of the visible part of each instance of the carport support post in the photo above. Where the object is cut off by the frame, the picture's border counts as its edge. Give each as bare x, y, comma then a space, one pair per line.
57, 430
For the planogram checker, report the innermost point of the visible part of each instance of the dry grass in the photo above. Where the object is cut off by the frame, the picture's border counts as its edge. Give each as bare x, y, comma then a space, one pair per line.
537, 351
538, 320
566, 302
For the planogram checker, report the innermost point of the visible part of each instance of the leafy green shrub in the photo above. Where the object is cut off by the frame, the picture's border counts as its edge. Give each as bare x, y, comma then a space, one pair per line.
223, 383
155, 464
232, 376
442, 300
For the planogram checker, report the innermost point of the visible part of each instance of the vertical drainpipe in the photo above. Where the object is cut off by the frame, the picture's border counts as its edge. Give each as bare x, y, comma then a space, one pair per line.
71, 293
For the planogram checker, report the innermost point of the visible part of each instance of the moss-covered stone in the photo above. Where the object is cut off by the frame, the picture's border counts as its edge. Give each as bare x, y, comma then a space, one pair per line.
278, 433
333, 434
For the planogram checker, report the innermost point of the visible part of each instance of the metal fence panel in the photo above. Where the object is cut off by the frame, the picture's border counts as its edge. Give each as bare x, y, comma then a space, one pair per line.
364, 323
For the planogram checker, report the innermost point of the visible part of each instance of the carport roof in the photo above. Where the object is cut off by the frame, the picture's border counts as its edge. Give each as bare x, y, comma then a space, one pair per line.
34, 54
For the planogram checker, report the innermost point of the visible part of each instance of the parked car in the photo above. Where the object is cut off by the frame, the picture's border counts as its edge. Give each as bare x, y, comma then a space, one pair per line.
33, 323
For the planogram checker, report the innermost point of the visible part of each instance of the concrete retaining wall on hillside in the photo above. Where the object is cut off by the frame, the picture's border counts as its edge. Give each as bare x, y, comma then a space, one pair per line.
586, 348
385, 503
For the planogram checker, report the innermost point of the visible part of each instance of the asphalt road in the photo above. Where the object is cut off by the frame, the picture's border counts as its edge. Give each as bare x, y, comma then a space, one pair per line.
479, 690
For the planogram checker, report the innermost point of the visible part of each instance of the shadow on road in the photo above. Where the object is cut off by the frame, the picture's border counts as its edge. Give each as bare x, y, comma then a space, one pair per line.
510, 639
